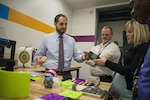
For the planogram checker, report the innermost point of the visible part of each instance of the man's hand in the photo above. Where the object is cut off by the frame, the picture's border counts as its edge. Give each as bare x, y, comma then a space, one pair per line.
41, 59
85, 57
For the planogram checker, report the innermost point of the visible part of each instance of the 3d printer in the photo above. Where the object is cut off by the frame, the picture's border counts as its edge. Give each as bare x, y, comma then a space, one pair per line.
7, 63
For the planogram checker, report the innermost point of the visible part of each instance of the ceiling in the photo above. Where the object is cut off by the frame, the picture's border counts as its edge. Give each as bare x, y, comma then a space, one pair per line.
81, 4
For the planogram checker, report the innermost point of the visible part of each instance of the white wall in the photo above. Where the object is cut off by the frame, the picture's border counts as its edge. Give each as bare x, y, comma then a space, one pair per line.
84, 24
44, 11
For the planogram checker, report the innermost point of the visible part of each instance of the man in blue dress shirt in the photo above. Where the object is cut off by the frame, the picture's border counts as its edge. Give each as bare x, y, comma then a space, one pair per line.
49, 47
141, 13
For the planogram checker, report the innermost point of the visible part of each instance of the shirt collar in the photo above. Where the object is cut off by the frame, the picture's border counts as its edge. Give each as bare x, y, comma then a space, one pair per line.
57, 34
106, 43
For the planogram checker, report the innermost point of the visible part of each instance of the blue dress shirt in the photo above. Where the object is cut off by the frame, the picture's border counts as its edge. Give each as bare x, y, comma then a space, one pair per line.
49, 47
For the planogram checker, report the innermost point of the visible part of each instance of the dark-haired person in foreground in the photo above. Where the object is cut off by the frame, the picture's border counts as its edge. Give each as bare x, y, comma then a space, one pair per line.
141, 13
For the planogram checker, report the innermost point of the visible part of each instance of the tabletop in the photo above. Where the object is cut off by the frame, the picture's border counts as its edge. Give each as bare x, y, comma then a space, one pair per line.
37, 90
39, 68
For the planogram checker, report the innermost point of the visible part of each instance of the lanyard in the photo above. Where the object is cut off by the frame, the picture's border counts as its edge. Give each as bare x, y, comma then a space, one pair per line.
99, 52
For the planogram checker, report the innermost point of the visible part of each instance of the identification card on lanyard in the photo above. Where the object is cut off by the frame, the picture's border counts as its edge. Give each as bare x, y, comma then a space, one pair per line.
100, 51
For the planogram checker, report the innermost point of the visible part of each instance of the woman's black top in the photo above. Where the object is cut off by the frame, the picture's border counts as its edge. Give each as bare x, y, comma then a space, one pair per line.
130, 63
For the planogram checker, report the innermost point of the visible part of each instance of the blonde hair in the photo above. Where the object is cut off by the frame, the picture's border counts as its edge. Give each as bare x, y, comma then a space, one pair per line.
140, 31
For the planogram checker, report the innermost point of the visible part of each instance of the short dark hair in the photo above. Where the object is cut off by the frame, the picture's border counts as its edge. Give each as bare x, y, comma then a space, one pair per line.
58, 16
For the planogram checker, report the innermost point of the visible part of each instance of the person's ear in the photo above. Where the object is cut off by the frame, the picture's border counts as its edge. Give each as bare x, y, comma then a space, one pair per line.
55, 23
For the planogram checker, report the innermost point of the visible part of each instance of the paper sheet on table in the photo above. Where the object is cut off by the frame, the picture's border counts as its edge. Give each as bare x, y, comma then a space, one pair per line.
33, 74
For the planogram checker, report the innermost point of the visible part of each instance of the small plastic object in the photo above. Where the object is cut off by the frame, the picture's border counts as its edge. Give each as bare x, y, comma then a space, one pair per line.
51, 72
74, 87
48, 82
52, 96
92, 81
66, 83
71, 94
79, 81
94, 91
43, 59
36, 78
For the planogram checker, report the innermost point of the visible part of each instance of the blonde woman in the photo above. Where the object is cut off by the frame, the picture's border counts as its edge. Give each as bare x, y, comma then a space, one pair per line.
138, 35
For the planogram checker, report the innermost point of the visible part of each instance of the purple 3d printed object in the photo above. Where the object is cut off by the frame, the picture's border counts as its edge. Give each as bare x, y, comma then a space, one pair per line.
79, 80
52, 96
